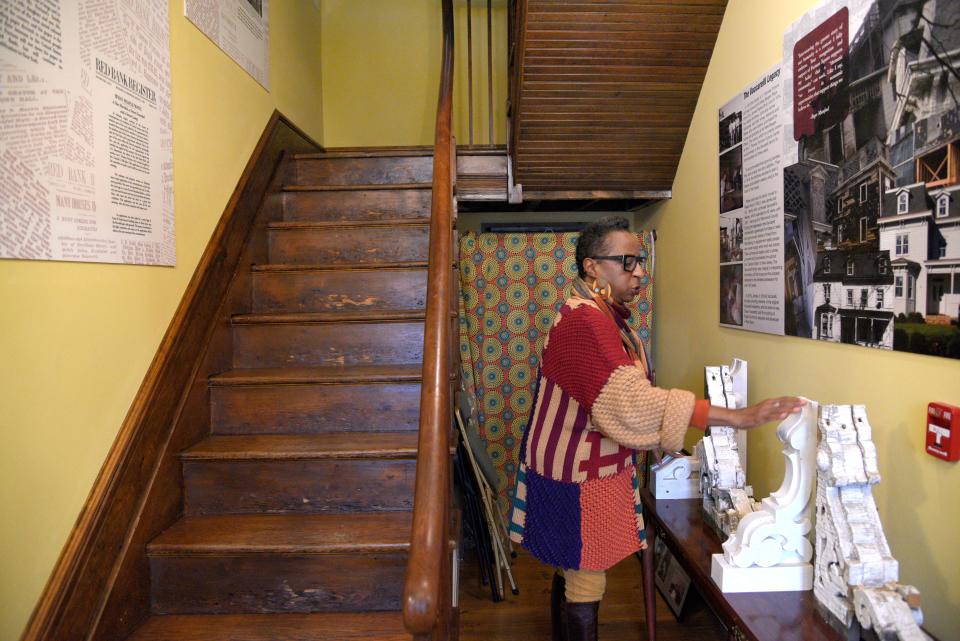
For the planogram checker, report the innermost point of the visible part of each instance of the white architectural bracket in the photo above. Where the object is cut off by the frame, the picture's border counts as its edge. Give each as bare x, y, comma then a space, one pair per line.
856, 577
770, 550
676, 478
723, 480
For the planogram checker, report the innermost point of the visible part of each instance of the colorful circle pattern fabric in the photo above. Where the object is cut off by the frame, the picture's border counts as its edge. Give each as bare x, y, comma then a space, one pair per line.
511, 287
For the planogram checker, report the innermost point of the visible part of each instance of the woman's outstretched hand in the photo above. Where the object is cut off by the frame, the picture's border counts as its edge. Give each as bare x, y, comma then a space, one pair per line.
772, 409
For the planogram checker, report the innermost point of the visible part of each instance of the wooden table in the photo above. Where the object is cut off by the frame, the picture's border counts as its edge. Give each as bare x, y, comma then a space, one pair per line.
759, 616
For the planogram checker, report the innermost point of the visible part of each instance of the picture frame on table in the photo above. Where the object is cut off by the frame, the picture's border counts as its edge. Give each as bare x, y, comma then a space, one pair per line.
671, 579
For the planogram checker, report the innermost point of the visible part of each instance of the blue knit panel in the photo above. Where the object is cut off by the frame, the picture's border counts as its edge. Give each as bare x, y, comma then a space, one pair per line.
552, 532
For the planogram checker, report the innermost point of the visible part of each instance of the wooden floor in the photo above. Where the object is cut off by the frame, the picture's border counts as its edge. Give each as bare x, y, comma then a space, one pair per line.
526, 617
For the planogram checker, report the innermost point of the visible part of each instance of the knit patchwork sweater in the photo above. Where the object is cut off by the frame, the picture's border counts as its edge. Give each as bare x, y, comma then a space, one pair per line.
577, 502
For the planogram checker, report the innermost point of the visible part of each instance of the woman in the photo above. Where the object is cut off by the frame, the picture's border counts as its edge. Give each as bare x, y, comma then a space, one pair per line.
577, 502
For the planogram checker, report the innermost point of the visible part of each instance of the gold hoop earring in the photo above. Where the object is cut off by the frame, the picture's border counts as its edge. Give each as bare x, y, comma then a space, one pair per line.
603, 291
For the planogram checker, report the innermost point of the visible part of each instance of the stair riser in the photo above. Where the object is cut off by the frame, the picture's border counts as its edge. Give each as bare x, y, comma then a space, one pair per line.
482, 164
339, 291
304, 486
364, 171
282, 345
349, 245
276, 583
378, 204
314, 409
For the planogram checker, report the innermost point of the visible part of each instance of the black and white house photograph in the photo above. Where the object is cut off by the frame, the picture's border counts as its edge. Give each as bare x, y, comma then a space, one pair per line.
872, 226
731, 179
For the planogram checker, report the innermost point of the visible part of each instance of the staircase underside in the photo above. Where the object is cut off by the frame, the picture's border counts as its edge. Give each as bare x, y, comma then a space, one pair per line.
605, 93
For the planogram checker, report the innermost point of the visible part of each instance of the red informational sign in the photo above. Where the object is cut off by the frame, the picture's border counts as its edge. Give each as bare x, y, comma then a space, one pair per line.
943, 431
820, 75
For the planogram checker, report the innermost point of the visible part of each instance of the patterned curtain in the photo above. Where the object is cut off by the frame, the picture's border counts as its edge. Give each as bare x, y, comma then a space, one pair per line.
511, 286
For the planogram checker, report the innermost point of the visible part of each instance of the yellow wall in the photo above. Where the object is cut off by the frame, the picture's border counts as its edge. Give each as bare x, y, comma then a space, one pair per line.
381, 72
919, 497
76, 339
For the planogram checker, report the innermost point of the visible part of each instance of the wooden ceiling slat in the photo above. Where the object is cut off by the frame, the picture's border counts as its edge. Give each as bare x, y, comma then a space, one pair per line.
651, 108
710, 8
562, 181
603, 142
588, 166
645, 39
655, 106
582, 136
540, 128
595, 94
628, 140
641, 85
629, 58
625, 17
661, 185
639, 98
575, 178
628, 154
587, 119
638, 29
616, 68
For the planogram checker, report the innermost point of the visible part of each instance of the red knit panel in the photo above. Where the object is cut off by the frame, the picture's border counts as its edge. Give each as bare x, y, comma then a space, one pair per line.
608, 521
582, 351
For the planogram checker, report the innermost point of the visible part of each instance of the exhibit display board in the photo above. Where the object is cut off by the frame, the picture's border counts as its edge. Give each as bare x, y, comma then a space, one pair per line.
863, 217
86, 170
751, 208
239, 28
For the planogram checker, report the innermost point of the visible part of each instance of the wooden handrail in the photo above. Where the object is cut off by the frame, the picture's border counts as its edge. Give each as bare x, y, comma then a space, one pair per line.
425, 590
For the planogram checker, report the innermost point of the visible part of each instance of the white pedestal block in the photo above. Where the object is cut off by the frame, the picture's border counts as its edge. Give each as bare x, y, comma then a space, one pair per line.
672, 489
791, 577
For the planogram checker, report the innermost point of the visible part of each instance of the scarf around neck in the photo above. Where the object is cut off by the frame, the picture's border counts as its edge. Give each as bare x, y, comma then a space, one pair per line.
618, 315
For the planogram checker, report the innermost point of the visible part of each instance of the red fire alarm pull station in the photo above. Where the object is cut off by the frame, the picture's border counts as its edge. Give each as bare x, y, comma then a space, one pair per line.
943, 431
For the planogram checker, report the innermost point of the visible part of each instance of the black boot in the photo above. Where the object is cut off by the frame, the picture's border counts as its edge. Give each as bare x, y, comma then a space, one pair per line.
557, 600
581, 621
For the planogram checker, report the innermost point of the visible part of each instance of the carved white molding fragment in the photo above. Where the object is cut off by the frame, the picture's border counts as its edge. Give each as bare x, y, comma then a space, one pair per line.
723, 482
770, 550
856, 574
676, 478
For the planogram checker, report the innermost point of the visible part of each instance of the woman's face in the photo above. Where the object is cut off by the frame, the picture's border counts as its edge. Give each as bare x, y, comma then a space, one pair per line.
625, 286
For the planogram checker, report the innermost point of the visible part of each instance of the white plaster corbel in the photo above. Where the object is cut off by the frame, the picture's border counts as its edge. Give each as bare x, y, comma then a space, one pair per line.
770, 550
856, 576
723, 481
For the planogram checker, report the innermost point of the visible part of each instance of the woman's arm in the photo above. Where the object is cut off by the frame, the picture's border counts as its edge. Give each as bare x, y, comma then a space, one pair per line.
772, 409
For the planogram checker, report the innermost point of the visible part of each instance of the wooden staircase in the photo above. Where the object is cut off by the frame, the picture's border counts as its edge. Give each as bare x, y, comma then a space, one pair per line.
297, 507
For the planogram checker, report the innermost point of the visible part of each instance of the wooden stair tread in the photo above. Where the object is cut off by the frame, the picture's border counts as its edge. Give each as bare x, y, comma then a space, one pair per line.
332, 445
358, 187
348, 224
331, 374
317, 626
326, 267
348, 316
231, 534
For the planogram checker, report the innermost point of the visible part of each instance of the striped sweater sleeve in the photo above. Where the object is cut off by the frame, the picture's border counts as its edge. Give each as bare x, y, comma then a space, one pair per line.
585, 357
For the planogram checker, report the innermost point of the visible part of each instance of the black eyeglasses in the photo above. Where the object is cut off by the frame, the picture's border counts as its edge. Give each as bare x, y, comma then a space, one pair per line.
629, 262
